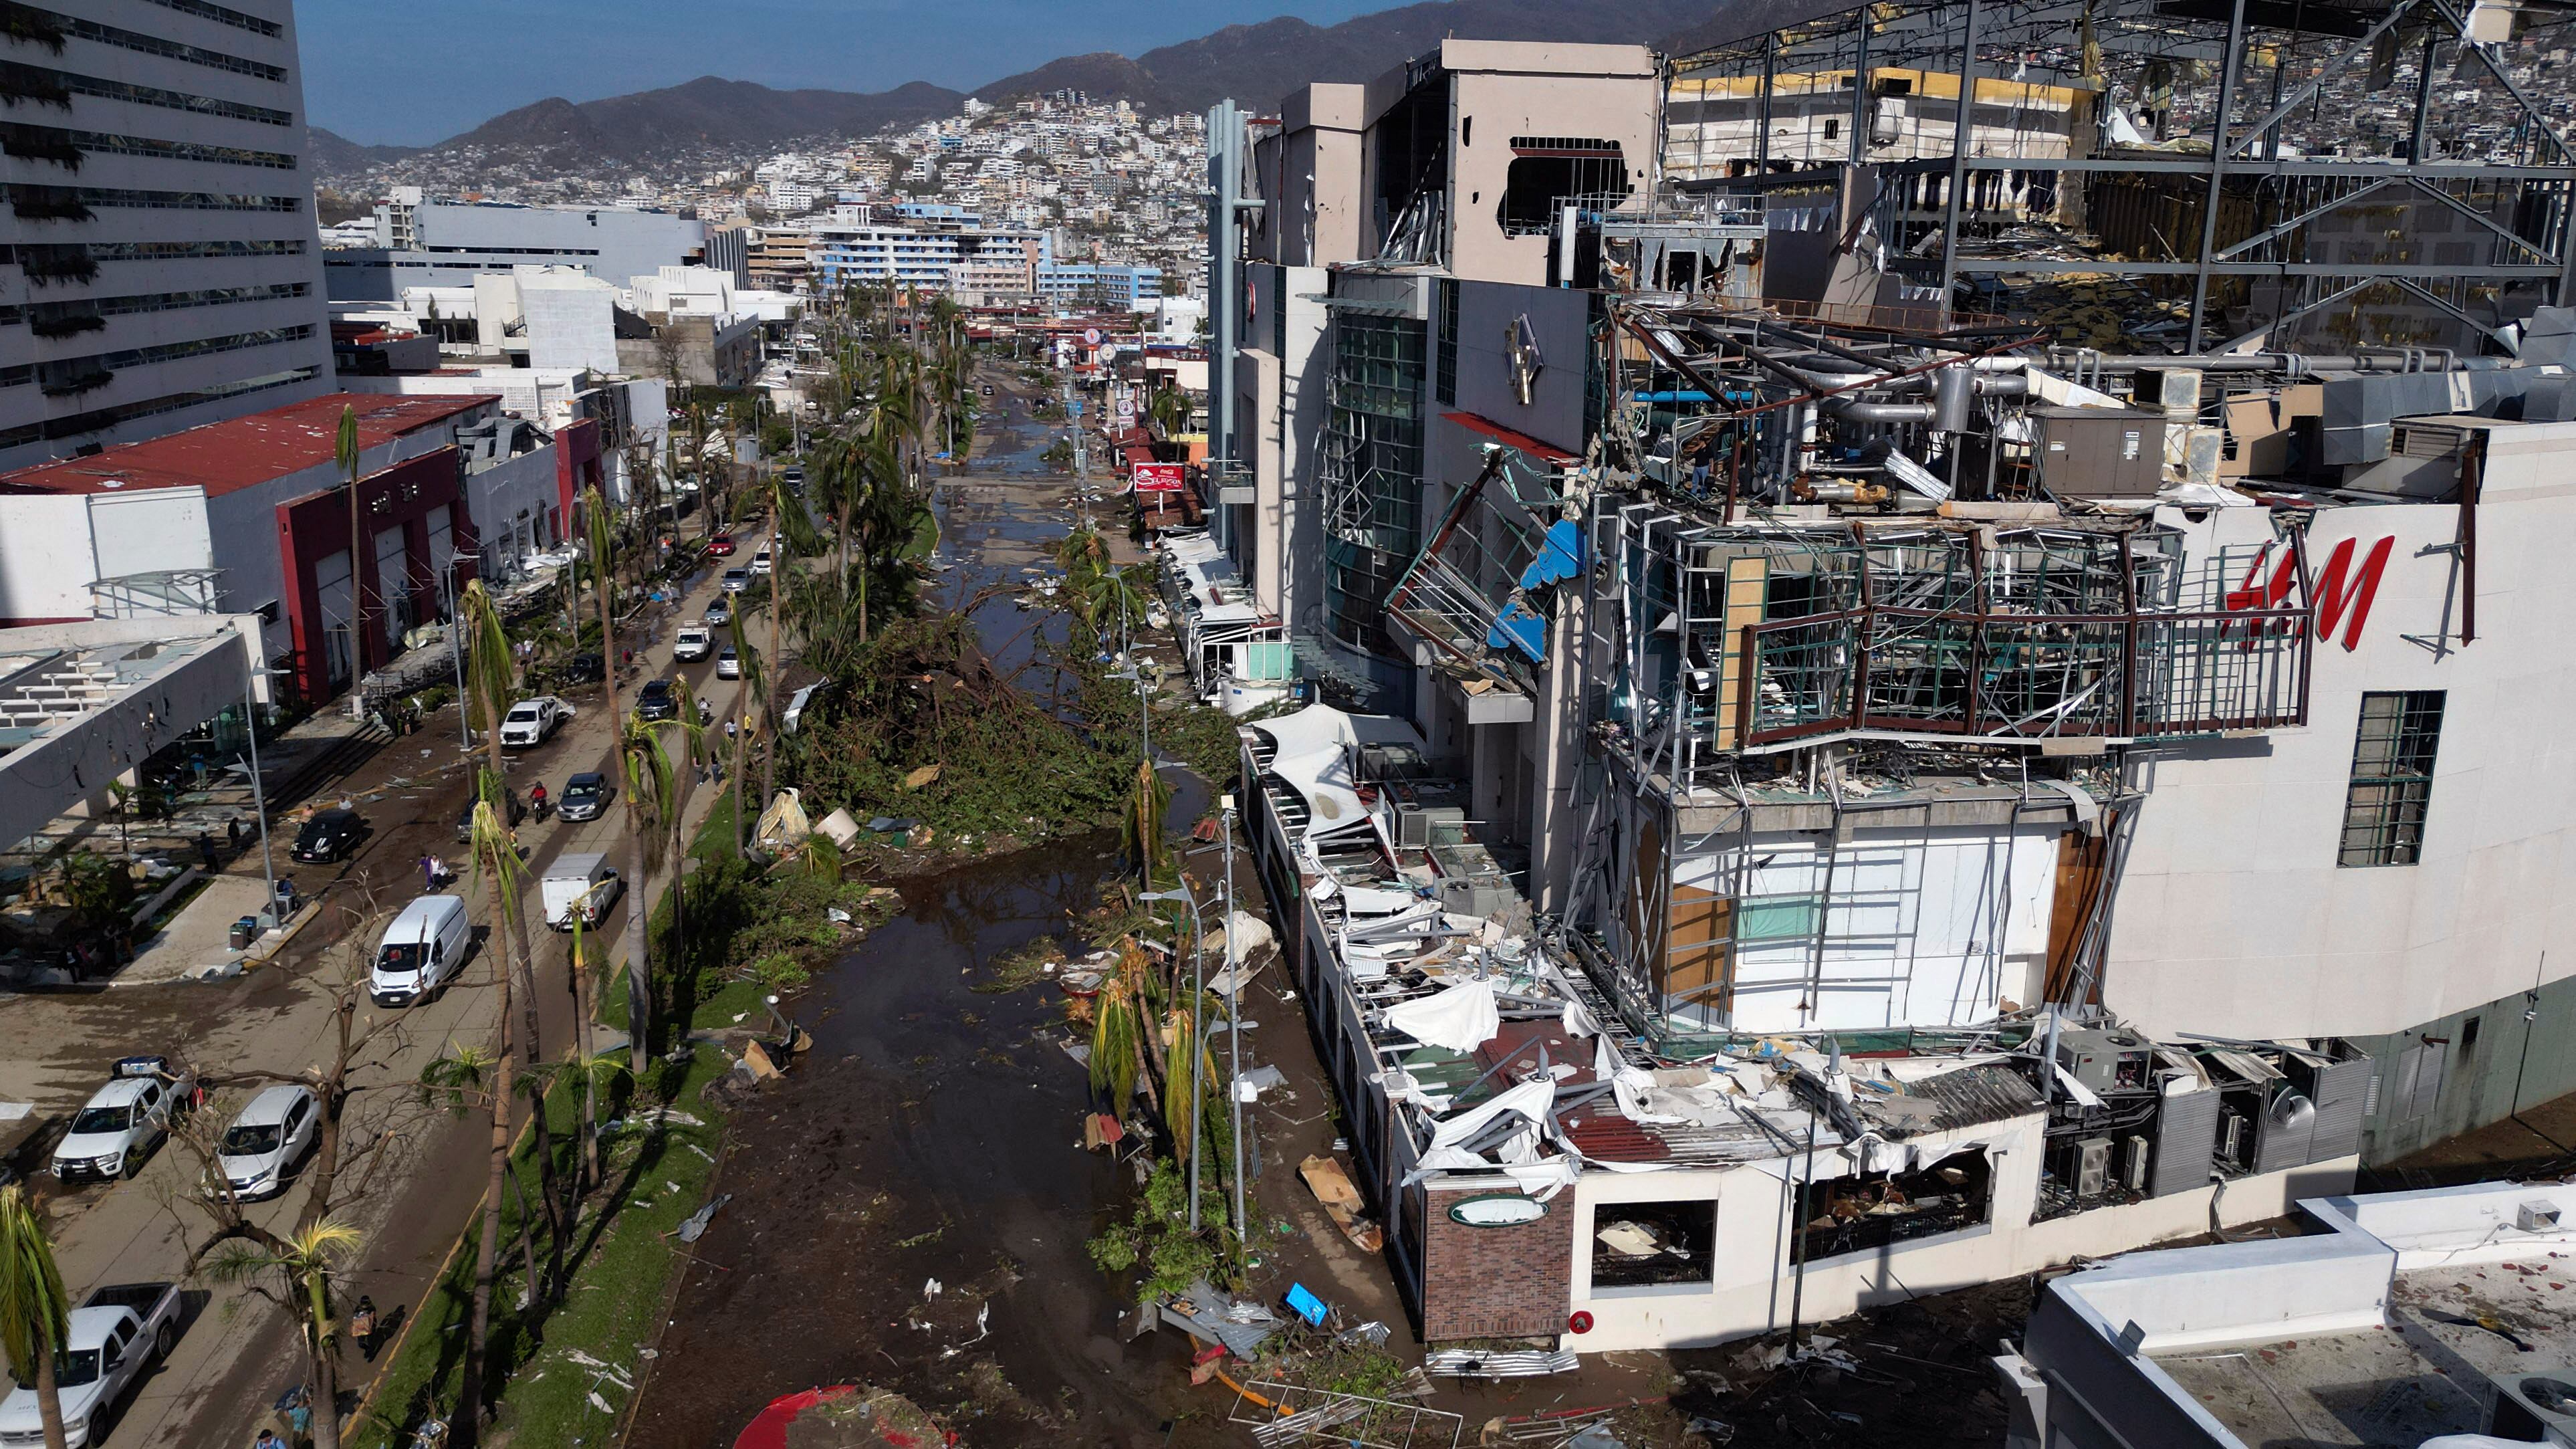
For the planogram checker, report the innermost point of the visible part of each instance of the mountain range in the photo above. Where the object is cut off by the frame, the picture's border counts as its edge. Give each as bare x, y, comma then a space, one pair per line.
1256, 64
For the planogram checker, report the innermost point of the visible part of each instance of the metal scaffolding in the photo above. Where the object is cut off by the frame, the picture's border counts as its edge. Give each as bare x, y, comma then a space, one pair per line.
2342, 169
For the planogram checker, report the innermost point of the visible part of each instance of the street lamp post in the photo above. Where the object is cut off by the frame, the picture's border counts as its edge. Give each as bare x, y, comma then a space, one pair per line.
1233, 1019
259, 791
456, 641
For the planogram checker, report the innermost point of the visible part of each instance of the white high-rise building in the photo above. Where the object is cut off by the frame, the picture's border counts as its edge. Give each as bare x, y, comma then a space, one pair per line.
159, 267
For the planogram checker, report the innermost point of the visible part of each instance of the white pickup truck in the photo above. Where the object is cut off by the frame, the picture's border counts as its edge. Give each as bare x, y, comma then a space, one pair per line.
694, 641
116, 1338
531, 721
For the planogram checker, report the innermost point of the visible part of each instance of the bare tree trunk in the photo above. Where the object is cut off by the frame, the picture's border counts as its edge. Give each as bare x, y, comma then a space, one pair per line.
553, 1195
588, 1172
639, 976
326, 1396
769, 691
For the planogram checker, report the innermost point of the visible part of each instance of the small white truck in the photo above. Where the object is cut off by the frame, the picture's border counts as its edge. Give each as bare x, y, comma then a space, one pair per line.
694, 641
116, 1337
531, 722
583, 883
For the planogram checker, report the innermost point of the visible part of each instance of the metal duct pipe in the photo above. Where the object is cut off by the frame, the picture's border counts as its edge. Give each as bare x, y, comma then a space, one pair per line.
1953, 390
2291, 364
1852, 408
2002, 384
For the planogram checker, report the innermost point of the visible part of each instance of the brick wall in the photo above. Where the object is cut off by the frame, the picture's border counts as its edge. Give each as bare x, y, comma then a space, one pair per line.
1510, 1282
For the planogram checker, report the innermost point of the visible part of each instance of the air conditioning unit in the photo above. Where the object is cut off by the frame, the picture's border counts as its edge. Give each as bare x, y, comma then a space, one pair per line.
2092, 1166
2535, 1407
1415, 823
2231, 1138
2133, 1164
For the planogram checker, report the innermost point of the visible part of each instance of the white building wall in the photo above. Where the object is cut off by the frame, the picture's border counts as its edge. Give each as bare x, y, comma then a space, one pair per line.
2232, 916
509, 503
44, 556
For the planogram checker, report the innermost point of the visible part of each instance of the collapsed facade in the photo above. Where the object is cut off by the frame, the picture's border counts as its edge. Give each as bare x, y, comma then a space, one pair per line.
1923, 801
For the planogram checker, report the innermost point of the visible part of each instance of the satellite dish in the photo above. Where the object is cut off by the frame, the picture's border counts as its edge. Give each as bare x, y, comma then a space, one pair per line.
2292, 1111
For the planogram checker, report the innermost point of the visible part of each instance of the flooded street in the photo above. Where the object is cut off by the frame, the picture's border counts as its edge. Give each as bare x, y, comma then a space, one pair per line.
934, 1132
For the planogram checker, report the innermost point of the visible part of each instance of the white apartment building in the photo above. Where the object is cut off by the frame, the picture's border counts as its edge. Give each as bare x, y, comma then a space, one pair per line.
429, 243
160, 269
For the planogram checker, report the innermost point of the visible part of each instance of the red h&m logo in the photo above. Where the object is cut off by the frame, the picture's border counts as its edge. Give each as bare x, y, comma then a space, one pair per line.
2337, 587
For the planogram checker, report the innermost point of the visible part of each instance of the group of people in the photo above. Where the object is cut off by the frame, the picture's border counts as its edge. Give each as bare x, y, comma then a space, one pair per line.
295, 1406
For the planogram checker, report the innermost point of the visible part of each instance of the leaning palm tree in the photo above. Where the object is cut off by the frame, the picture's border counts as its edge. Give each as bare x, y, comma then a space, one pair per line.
305, 1259
639, 976
490, 682
35, 1313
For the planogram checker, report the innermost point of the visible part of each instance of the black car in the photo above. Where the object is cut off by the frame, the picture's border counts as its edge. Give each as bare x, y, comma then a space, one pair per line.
517, 810
584, 796
657, 701
587, 667
330, 835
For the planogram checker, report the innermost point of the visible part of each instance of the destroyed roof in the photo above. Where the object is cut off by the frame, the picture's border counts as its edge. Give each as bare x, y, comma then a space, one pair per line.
1966, 1097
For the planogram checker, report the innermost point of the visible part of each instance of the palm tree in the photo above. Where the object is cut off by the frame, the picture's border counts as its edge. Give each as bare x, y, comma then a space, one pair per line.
304, 1259
639, 977
741, 718
35, 1313
490, 682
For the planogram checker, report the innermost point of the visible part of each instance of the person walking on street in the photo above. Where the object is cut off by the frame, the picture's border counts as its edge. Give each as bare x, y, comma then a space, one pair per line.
362, 1326
268, 1440
233, 834
206, 850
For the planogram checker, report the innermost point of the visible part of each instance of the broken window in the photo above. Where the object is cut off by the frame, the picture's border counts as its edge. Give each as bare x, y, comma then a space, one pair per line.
2392, 777
1872, 1210
1549, 171
1642, 1244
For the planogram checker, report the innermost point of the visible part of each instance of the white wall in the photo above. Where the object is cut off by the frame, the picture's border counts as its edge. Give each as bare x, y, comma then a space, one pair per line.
571, 320
1925, 927
2233, 918
508, 503
45, 567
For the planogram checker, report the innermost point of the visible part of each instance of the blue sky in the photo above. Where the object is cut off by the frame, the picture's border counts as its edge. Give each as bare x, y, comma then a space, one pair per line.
410, 72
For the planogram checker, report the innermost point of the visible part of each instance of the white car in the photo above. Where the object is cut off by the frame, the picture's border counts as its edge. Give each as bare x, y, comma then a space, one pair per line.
763, 563
121, 1124
694, 641
260, 1151
532, 722
728, 664
736, 580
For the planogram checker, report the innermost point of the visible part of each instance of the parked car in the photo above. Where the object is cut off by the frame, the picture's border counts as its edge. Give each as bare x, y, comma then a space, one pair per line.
587, 667
792, 477
694, 641
330, 835
421, 951
736, 580
115, 1132
512, 806
531, 722
258, 1154
114, 1339
719, 613
721, 545
728, 663
763, 563
657, 701
584, 796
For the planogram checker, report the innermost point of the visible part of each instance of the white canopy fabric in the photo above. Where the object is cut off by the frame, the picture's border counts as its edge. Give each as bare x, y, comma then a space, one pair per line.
1462, 1018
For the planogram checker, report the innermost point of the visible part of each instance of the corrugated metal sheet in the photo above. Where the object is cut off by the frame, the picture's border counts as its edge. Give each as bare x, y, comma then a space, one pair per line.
1969, 1097
1610, 1137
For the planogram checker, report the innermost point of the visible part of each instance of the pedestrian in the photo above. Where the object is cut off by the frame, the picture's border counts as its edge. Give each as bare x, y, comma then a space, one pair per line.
268, 1440
233, 834
206, 849
362, 1326
429, 874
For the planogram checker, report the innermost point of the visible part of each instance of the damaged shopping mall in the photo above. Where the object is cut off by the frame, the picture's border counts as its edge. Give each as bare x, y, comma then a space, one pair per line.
1828, 790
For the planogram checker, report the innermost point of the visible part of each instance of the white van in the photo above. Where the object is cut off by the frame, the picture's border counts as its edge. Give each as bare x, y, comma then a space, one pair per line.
421, 951
579, 882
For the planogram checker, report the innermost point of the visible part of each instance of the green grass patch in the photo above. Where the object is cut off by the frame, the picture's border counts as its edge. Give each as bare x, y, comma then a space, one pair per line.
621, 1271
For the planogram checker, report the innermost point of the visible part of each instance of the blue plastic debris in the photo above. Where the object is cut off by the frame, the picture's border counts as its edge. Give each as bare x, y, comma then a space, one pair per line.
1560, 556
1515, 627
1306, 1305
